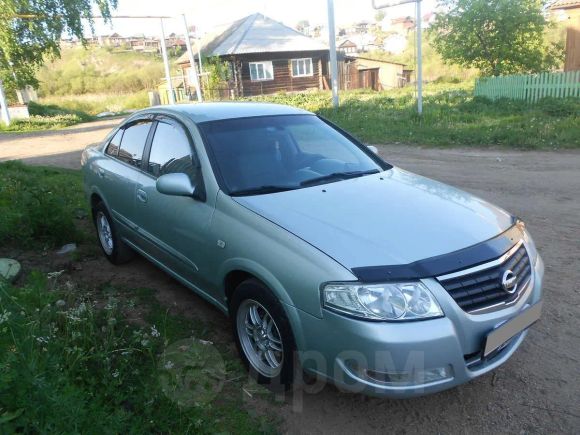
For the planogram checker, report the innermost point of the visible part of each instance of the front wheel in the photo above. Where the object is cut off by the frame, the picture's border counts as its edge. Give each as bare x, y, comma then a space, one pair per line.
263, 335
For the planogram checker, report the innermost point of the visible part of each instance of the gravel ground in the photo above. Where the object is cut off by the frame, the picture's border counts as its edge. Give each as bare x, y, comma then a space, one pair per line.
536, 391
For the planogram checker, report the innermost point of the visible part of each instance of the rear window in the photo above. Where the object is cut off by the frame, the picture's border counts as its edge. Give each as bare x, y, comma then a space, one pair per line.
113, 147
133, 143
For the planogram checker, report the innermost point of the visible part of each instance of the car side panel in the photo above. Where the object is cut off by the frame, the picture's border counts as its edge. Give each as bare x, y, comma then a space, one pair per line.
290, 267
175, 230
115, 183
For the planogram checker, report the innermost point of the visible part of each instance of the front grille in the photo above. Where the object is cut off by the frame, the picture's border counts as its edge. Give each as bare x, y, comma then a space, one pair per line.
482, 288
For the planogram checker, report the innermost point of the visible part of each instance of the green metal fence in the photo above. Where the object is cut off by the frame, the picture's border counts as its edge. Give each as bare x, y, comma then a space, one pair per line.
530, 87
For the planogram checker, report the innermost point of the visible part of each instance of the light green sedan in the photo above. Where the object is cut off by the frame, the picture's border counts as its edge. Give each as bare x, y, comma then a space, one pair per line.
328, 259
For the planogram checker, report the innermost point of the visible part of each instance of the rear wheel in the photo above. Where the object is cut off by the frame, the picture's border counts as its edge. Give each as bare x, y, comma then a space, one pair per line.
116, 251
263, 335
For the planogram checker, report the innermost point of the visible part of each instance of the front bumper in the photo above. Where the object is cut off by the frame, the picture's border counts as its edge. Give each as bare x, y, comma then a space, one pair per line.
350, 352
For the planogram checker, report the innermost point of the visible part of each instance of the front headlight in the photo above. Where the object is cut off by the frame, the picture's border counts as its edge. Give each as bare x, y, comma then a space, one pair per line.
390, 301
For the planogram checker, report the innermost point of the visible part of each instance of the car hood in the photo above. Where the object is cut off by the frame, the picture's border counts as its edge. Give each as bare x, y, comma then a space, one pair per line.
390, 218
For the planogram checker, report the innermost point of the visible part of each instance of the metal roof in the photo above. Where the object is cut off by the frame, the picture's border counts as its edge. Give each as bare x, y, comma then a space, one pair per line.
202, 112
256, 34
565, 4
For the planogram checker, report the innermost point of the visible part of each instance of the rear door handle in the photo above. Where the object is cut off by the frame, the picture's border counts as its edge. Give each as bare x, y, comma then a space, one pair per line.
141, 195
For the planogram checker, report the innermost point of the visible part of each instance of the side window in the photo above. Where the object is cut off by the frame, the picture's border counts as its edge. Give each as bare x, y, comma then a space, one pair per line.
133, 143
171, 152
113, 147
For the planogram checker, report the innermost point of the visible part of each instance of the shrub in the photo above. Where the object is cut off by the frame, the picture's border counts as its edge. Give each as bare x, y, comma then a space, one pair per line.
51, 110
38, 205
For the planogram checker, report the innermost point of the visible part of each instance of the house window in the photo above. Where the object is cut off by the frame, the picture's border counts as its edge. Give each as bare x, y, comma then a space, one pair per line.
301, 67
261, 71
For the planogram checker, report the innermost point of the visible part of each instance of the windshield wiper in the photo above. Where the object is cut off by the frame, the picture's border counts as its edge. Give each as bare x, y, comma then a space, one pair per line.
262, 190
338, 176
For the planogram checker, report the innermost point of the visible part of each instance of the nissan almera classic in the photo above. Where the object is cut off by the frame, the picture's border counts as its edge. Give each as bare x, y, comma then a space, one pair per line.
325, 257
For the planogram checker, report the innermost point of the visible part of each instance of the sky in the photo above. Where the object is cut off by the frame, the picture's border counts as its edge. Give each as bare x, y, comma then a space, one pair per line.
205, 14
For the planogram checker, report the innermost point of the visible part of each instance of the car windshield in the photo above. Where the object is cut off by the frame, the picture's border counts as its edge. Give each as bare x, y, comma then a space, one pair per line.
278, 153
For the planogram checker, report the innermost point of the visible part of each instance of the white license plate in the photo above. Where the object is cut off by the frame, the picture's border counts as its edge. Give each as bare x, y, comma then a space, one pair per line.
511, 328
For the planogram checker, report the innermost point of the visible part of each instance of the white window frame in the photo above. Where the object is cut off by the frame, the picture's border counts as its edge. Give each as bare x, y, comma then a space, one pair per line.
304, 61
267, 68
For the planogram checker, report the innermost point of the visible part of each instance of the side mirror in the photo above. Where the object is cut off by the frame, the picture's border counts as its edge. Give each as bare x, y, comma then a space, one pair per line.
373, 148
175, 184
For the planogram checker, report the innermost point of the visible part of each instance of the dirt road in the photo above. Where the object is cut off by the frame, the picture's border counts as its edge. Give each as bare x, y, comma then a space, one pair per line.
537, 391
54, 148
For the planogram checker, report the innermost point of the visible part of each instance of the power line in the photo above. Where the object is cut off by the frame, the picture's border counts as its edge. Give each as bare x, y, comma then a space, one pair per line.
36, 16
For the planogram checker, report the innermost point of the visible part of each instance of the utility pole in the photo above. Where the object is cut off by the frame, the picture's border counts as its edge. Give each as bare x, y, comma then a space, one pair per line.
333, 61
192, 61
4, 105
419, 61
166, 64
198, 45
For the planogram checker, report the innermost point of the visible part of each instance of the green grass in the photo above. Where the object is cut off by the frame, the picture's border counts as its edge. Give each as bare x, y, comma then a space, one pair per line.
93, 104
58, 112
75, 359
38, 205
40, 123
452, 117
46, 117
70, 362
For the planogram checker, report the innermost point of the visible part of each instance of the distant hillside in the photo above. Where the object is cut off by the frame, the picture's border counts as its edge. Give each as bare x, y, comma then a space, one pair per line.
100, 70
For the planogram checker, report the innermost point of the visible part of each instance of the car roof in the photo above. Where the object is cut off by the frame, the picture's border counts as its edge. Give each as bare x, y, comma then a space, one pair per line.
203, 112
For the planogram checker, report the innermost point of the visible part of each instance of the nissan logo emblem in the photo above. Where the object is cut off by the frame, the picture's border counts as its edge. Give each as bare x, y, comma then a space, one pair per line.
508, 282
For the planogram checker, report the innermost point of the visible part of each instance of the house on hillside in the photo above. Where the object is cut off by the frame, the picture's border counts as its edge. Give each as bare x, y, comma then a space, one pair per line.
360, 27
145, 45
114, 40
402, 25
346, 46
264, 56
569, 11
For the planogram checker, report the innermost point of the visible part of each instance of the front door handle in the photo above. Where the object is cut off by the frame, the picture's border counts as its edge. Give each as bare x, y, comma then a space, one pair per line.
101, 173
141, 195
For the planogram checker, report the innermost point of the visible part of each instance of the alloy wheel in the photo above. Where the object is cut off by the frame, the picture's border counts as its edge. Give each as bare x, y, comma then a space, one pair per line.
260, 338
105, 233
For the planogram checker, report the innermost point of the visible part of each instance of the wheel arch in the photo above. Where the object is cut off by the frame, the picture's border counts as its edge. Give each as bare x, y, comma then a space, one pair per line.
95, 196
240, 271
95, 199
235, 271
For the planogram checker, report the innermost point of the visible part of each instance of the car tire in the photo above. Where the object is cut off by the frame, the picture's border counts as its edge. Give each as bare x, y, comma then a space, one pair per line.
116, 251
263, 335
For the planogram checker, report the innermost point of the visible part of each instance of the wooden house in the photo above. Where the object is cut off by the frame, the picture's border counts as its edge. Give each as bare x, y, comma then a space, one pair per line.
264, 56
